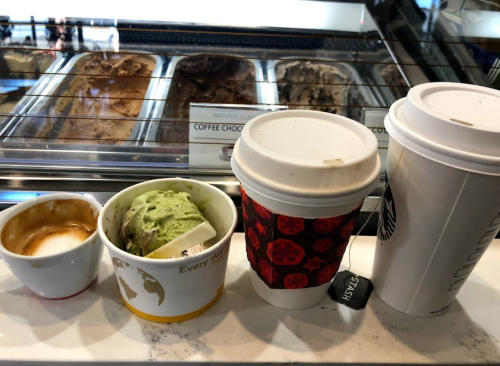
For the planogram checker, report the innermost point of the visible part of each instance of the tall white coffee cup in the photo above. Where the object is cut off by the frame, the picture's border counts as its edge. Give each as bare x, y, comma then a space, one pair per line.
441, 209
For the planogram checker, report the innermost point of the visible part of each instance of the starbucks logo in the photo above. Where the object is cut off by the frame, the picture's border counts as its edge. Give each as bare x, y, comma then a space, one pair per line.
387, 216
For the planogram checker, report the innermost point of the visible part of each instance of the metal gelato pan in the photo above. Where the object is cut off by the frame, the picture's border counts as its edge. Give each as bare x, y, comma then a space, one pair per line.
206, 83
23, 74
320, 85
65, 100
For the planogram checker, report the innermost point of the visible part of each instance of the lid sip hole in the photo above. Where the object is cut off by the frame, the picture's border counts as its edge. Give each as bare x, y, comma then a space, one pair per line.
333, 162
468, 124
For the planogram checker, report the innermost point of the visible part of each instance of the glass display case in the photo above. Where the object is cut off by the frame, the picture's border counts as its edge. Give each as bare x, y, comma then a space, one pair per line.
456, 41
102, 98
109, 97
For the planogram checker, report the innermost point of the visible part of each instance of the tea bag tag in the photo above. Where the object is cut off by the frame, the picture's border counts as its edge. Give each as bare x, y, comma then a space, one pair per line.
350, 290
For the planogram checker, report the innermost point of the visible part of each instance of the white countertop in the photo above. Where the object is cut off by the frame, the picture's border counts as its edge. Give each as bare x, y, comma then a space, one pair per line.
241, 328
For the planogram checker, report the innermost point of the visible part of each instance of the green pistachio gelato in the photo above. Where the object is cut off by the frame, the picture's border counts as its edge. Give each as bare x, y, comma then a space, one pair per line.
157, 217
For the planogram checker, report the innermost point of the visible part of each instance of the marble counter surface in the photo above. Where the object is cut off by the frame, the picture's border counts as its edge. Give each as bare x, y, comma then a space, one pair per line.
241, 328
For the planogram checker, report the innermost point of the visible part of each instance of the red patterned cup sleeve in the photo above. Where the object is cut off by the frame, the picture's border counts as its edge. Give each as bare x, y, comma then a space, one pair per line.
292, 252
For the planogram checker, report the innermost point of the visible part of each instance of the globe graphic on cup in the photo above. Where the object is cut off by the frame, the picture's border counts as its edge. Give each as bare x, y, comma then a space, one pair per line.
128, 278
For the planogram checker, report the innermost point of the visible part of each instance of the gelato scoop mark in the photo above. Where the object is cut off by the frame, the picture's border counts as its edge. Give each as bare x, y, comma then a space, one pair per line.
152, 285
157, 217
131, 294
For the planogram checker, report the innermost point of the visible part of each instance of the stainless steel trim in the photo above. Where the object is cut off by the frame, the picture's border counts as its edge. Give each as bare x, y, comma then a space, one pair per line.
391, 49
11, 197
371, 204
62, 80
39, 176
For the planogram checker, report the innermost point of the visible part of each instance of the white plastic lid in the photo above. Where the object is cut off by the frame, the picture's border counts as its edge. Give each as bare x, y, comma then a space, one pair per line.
307, 157
454, 124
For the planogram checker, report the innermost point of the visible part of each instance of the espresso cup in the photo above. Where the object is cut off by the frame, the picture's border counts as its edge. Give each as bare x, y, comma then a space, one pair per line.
66, 265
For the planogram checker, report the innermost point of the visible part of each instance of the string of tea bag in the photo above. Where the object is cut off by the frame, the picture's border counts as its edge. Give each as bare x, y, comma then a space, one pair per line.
375, 208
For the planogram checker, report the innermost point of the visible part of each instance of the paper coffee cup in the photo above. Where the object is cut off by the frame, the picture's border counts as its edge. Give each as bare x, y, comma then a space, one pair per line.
304, 176
179, 289
441, 209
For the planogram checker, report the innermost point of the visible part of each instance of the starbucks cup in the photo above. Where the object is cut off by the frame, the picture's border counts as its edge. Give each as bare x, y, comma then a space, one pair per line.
304, 176
441, 209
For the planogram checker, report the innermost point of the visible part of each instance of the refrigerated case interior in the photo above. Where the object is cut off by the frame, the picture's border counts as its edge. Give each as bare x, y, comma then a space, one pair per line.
106, 109
113, 108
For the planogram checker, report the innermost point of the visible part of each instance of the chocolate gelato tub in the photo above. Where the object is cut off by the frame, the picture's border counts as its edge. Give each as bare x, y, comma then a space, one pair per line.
202, 78
320, 85
97, 98
25, 74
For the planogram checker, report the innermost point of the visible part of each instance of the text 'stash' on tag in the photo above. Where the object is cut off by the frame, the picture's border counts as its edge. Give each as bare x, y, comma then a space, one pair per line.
351, 290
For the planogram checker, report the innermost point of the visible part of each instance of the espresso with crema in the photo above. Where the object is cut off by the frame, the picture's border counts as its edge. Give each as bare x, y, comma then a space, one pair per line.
50, 227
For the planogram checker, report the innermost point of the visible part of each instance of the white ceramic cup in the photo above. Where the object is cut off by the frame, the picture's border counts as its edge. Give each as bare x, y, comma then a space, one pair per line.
178, 289
60, 275
305, 165
442, 207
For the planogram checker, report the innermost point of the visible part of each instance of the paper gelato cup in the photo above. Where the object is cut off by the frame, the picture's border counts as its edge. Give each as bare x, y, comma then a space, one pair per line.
171, 290
304, 176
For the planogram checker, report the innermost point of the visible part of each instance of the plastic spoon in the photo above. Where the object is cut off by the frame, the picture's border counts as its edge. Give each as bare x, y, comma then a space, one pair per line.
198, 234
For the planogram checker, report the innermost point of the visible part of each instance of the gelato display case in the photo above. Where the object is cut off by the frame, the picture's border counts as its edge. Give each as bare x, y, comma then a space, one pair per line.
94, 103
118, 104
